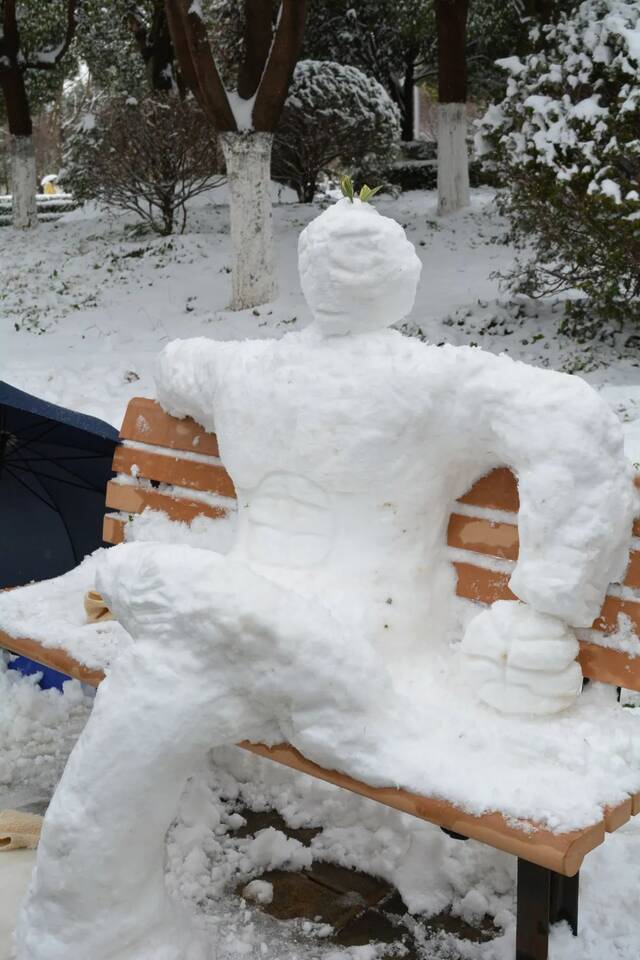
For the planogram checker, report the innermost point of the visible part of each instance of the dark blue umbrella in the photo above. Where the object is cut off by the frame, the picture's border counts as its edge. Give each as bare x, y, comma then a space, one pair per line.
54, 468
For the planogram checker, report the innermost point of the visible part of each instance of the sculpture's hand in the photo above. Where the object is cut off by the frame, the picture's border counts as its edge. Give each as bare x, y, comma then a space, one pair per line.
136, 588
522, 661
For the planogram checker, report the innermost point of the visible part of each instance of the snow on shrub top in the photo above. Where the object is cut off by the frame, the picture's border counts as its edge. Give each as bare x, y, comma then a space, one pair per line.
574, 106
338, 90
335, 115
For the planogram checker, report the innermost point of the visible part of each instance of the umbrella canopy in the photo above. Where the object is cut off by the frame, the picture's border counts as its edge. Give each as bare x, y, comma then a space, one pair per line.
54, 468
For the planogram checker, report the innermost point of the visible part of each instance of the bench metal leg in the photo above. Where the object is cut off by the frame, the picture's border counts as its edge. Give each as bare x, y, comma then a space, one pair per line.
544, 897
564, 900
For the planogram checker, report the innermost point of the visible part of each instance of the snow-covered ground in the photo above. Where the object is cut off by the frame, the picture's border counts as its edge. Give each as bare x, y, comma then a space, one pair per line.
84, 308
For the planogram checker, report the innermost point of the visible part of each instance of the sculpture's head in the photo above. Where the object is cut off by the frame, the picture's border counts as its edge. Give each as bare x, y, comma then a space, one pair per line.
358, 271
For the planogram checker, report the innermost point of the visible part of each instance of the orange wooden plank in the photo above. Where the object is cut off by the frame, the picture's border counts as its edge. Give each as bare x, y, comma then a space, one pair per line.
616, 817
51, 657
173, 470
487, 586
497, 490
497, 539
146, 422
611, 610
563, 853
632, 575
478, 583
609, 666
130, 499
113, 529
483, 536
635, 804
597, 662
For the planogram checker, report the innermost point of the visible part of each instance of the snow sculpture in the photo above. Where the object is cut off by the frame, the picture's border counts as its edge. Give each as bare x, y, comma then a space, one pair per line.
347, 444
521, 661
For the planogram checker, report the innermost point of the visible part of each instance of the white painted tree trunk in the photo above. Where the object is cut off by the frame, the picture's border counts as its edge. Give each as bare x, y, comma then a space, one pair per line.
453, 162
248, 159
23, 183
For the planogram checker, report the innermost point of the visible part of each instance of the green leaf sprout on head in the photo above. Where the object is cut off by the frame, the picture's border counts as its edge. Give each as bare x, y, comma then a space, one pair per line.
346, 185
366, 193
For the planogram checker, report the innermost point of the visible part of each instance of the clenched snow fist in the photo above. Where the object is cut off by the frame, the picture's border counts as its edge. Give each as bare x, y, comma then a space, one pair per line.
522, 661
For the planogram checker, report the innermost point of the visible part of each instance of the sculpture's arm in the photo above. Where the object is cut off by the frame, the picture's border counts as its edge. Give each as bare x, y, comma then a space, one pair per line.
186, 376
576, 492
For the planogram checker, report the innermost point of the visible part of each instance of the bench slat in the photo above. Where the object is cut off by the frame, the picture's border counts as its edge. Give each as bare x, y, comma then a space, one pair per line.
609, 666
180, 473
616, 817
563, 853
497, 490
597, 662
146, 422
113, 529
51, 657
132, 499
483, 536
487, 586
497, 539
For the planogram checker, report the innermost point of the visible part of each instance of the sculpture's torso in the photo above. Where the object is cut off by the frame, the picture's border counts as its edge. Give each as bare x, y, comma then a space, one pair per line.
329, 444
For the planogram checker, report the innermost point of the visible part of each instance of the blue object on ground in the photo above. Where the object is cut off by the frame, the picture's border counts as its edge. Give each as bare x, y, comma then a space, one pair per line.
54, 468
50, 678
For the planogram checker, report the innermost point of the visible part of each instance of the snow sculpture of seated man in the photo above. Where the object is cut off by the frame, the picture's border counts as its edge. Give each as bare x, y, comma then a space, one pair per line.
348, 444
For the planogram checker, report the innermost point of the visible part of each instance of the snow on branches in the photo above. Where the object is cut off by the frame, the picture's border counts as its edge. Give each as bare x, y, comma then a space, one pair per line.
565, 141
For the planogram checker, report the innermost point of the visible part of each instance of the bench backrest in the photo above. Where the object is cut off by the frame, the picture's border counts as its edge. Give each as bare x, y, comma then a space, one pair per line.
173, 466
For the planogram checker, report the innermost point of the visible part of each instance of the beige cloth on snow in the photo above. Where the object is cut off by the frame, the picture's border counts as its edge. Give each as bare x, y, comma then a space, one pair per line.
18, 830
95, 607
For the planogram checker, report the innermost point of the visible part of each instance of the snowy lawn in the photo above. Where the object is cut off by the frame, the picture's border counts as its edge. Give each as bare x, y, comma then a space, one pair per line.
85, 308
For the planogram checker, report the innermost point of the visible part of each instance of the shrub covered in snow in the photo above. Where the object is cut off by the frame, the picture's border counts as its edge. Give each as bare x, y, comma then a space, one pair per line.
566, 142
149, 157
335, 117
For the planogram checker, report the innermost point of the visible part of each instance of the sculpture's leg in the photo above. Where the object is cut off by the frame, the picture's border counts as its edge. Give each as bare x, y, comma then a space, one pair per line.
219, 655
98, 891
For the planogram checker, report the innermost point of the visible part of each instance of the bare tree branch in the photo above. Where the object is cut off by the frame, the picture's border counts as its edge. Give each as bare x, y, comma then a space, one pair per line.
193, 50
10, 41
49, 59
451, 23
272, 91
257, 44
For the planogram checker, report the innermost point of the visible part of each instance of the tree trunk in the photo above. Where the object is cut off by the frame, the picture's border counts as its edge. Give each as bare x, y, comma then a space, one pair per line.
453, 162
248, 159
23, 183
23, 158
408, 98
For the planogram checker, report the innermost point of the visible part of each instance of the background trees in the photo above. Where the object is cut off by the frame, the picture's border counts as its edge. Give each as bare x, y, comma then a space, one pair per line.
564, 141
390, 40
246, 118
149, 157
334, 115
34, 40
453, 161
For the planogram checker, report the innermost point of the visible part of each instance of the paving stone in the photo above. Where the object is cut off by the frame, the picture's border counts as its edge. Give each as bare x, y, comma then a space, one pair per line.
370, 926
445, 922
298, 896
371, 890
262, 819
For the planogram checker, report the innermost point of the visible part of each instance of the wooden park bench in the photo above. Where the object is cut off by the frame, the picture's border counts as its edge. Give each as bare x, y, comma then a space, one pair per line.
167, 465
